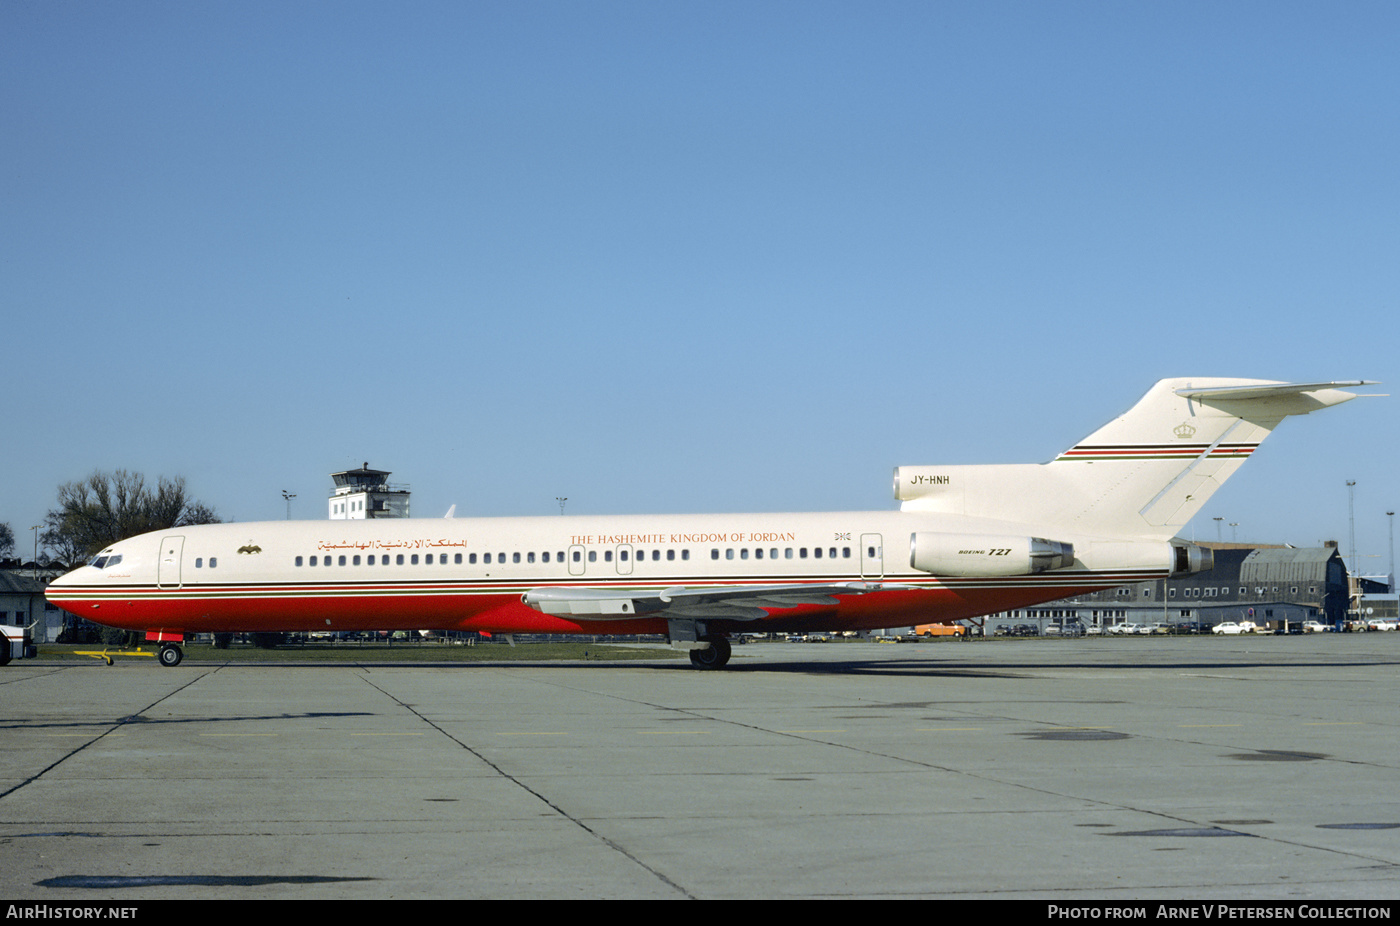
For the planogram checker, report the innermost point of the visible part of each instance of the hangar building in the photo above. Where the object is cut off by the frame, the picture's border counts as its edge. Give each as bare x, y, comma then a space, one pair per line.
1267, 585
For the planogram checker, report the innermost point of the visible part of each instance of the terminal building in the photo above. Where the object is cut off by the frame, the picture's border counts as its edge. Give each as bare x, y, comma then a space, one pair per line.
364, 493
1266, 585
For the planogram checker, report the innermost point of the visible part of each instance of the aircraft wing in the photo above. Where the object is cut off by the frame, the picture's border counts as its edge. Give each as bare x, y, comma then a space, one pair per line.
736, 602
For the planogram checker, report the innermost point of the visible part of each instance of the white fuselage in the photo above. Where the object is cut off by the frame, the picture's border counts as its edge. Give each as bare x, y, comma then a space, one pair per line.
471, 573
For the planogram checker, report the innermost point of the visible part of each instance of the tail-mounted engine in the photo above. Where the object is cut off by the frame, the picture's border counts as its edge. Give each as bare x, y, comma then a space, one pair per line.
986, 554
1188, 558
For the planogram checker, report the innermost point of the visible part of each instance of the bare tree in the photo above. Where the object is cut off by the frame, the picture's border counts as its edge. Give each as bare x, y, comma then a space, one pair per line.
106, 507
7, 539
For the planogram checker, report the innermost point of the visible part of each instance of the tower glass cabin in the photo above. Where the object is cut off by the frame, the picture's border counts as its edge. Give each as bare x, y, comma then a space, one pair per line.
367, 493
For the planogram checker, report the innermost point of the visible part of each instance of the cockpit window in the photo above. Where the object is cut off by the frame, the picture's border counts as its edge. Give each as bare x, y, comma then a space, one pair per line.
102, 561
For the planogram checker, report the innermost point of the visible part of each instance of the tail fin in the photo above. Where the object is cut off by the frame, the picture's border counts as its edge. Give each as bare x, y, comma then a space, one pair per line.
1146, 473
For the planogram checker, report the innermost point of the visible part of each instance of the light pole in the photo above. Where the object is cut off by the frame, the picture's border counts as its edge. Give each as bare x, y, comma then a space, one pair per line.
1351, 520
287, 497
1353, 580
1217, 521
1391, 516
561, 502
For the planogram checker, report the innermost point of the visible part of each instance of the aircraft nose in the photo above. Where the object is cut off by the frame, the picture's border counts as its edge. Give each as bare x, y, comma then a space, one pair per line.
59, 582
66, 580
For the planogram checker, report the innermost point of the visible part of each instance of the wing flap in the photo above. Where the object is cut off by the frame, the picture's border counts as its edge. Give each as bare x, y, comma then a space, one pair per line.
737, 602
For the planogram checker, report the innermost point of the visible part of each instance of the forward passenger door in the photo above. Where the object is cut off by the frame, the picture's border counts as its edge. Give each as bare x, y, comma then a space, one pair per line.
168, 564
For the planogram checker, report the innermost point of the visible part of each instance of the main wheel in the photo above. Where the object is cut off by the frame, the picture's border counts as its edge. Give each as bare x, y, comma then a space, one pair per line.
715, 656
170, 655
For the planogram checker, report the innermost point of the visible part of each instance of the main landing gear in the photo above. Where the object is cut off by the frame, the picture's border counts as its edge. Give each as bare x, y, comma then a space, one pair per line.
714, 656
170, 655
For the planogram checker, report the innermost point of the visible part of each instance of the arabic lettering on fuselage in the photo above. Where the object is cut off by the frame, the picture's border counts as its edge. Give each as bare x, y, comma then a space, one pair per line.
387, 544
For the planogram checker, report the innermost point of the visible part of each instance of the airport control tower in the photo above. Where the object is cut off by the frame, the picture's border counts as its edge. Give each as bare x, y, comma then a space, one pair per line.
367, 493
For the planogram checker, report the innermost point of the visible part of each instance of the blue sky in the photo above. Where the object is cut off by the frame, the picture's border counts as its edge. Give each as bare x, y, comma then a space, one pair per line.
682, 256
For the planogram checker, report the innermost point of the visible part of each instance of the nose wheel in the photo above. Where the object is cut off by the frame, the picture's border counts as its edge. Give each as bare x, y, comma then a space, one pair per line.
170, 655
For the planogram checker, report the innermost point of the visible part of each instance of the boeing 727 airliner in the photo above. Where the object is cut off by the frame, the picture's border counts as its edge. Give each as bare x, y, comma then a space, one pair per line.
966, 541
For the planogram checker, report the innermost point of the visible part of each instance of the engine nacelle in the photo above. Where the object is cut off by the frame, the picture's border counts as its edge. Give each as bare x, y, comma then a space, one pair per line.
1188, 558
986, 554
912, 482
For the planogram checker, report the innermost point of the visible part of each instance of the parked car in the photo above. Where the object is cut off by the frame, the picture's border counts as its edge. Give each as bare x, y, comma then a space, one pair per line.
1248, 627
1380, 623
1229, 627
1313, 627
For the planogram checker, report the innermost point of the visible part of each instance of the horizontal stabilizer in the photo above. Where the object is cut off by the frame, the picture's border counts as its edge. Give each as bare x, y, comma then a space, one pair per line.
1267, 391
